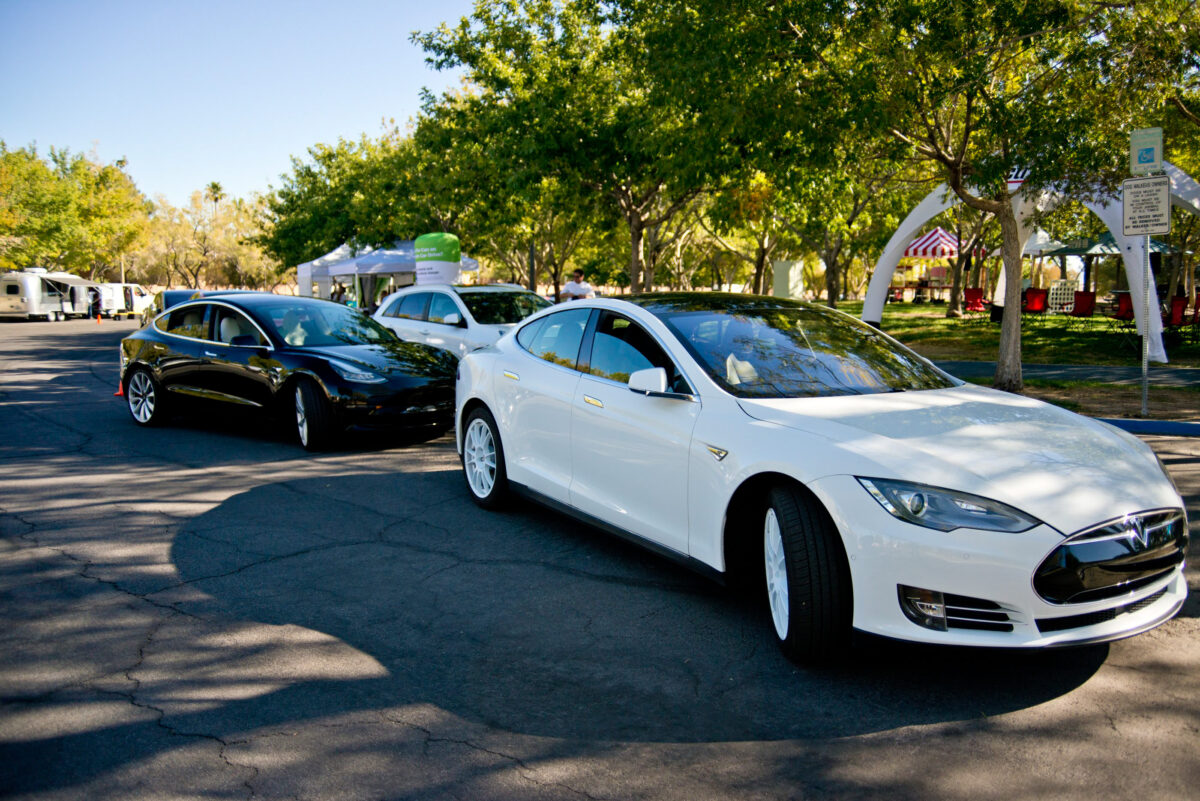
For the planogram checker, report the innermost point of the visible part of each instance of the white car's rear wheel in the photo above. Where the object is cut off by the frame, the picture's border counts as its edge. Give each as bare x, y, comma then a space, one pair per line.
483, 460
807, 577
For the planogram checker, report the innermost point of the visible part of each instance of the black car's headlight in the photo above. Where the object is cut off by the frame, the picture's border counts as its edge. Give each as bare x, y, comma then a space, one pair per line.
352, 372
944, 509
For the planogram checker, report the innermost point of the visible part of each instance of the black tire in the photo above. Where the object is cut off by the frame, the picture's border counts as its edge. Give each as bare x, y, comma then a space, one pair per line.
483, 460
145, 398
313, 416
818, 609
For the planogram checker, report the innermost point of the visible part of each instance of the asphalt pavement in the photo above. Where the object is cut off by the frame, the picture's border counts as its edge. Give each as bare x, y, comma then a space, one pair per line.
206, 611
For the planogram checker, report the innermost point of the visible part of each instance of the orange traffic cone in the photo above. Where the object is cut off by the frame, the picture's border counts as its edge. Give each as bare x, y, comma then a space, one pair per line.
120, 393
97, 319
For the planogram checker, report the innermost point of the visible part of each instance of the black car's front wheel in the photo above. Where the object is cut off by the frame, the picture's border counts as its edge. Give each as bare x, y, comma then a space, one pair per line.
145, 398
314, 416
807, 578
483, 460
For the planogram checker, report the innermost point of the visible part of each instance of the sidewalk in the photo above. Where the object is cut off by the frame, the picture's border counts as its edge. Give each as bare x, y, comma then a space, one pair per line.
1158, 376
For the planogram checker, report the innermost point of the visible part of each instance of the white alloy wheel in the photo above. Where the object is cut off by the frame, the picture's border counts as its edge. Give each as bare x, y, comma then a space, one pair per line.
301, 418
776, 568
479, 458
144, 398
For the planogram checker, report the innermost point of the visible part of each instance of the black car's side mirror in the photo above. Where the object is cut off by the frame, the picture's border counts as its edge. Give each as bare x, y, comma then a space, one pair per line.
244, 341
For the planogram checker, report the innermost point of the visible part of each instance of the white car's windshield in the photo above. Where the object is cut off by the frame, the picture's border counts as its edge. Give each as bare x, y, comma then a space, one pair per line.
502, 308
783, 350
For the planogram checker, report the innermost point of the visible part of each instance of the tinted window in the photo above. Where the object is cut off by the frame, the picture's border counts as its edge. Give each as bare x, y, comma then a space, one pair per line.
621, 347
558, 336
12, 289
318, 323
231, 325
798, 351
190, 321
502, 308
440, 305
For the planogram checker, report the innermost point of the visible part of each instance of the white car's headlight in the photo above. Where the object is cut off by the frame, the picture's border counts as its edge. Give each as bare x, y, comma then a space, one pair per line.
354, 373
943, 509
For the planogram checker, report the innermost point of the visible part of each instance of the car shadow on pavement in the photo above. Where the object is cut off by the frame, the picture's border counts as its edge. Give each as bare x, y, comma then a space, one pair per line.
522, 623
530, 621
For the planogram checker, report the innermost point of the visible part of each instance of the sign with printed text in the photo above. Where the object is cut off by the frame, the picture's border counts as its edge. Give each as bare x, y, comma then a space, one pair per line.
1145, 151
1147, 206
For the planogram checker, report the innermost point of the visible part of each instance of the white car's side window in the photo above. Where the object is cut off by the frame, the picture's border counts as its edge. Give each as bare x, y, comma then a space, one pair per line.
441, 305
621, 347
556, 338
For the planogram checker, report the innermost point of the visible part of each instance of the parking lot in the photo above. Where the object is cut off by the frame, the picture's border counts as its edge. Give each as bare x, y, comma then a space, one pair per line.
204, 610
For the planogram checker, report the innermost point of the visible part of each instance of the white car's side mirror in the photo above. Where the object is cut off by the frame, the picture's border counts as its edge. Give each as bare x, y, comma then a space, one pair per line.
453, 318
652, 379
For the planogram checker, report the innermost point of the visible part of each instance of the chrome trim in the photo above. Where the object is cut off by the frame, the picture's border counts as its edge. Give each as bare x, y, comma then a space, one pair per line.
1121, 635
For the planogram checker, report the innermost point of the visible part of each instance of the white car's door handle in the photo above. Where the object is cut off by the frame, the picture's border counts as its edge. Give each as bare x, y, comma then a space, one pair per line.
599, 404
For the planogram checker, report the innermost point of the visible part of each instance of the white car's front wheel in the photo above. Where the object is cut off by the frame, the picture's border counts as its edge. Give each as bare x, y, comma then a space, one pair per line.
483, 460
807, 577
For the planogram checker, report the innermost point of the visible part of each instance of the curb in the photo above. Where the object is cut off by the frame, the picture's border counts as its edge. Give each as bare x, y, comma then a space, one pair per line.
1165, 428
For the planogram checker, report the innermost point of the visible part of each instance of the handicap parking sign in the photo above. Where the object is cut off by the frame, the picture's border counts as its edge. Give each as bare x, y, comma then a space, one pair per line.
1145, 151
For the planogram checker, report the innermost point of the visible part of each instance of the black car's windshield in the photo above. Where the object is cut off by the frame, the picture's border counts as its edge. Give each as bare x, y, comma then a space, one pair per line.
501, 308
799, 351
316, 323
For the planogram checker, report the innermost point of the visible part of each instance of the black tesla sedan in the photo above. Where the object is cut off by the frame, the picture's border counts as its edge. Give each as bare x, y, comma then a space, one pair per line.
333, 365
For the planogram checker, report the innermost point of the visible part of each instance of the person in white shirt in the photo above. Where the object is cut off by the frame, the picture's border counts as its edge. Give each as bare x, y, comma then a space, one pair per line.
576, 288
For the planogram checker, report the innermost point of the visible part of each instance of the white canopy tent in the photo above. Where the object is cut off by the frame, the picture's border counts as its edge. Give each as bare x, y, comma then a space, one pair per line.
346, 263
1185, 193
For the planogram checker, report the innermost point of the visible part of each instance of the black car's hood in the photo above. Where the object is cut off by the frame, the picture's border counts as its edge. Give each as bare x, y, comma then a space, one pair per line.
391, 358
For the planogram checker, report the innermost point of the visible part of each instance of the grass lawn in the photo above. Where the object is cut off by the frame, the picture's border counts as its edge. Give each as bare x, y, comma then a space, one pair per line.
1054, 339
1097, 399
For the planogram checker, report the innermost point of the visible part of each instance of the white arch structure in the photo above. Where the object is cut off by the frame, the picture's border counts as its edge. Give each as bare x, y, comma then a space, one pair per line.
1185, 193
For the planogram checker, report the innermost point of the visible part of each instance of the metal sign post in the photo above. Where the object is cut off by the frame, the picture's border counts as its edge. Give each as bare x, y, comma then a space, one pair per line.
1146, 204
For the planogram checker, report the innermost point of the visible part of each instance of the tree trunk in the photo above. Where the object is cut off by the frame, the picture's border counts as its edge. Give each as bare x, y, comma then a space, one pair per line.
637, 238
833, 279
957, 268
1008, 363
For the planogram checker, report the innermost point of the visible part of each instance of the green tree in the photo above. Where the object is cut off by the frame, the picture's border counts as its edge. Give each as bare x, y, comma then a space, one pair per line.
560, 97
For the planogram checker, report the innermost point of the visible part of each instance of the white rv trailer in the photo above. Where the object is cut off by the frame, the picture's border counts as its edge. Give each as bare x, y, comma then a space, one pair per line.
124, 300
38, 294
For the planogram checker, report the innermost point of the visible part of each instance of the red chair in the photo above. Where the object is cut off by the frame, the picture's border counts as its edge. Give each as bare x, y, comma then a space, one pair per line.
1083, 308
973, 300
1035, 302
1123, 317
1177, 316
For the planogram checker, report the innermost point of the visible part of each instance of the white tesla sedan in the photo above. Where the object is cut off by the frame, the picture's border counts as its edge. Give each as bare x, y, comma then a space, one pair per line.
862, 487
457, 318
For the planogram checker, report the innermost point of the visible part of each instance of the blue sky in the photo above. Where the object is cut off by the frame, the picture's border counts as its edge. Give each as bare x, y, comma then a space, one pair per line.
221, 91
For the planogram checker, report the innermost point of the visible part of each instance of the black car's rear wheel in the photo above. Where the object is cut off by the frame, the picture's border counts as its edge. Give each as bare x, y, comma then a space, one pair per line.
145, 398
314, 416
807, 577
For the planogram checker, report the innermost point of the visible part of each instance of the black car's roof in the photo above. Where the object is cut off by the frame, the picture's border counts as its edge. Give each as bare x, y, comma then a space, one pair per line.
252, 300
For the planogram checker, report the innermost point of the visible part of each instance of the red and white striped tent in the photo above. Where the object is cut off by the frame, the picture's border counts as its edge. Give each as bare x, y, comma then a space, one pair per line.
937, 244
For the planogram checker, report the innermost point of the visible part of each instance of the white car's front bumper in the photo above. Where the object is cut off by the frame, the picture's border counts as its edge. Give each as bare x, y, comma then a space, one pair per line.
986, 580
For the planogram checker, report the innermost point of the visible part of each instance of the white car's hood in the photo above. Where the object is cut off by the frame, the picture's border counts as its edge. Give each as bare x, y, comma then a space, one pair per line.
1067, 470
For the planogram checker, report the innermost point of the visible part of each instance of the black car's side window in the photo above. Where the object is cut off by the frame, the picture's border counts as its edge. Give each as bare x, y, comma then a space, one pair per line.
621, 347
190, 321
233, 328
557, 337
441, 305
